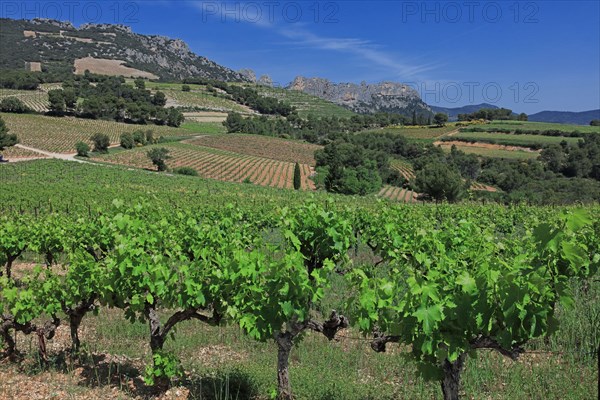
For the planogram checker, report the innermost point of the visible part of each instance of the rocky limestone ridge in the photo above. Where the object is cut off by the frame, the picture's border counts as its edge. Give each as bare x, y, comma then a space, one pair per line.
52, 22
106, 27
364, 97
250, 75
165, 57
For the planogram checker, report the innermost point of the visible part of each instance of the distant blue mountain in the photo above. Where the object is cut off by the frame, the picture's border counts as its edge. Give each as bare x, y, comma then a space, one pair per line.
566, 117
453, 112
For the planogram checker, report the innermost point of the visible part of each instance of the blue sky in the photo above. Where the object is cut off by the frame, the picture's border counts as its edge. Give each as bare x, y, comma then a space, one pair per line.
528, 56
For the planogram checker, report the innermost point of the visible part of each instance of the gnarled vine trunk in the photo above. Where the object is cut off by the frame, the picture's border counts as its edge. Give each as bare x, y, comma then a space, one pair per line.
285, 342
9, 262
44, 332
284, 347
451, 380
158, 332
75, 317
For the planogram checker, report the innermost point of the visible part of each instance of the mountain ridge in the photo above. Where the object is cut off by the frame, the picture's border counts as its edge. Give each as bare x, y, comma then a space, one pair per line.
566, 117
55, 45
386, 96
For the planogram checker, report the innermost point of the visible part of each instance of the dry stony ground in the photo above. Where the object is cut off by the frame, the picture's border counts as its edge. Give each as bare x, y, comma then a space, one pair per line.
94, 376
97, 376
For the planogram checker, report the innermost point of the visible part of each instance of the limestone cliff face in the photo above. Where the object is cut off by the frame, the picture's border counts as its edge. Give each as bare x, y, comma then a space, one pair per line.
391, 97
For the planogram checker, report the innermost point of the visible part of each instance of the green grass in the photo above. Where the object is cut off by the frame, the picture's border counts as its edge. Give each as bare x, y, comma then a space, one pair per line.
204, 128
514, 140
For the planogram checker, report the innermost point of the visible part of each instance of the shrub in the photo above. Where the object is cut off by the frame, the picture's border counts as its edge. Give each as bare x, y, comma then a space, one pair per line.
127, 141
158, 156
139, 137
186, 171
150, 136
101, 142
82, 149
13, 105
185, 88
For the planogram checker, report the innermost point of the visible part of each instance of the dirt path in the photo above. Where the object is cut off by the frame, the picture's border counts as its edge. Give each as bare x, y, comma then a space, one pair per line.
60, 156
48, 154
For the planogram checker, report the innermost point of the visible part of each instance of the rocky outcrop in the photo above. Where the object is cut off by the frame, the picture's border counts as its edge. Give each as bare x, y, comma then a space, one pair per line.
265, 80
390, 97
248, 74
52, 22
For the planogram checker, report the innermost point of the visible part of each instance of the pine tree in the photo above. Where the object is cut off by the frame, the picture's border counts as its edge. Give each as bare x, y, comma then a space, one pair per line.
297, 177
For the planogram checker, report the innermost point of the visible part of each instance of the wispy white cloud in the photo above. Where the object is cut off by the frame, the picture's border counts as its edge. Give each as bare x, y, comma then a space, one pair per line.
359, 47
298, 35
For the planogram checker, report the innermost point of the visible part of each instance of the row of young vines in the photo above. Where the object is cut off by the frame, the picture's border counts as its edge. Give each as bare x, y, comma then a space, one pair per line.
444, 285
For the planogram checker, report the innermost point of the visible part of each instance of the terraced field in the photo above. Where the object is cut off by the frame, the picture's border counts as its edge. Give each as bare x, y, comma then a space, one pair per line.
483, 187
305, 103
404, 168
398, 194
60, 135
262, 146
37, 100
220, 165
203, 100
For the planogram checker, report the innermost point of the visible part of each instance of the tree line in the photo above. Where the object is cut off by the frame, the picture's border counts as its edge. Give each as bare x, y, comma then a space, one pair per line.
490, 114
107, 97
26, 80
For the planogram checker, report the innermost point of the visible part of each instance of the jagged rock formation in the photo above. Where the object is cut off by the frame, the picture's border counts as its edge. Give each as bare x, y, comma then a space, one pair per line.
56, 44
248, 74
389, 97
265, 80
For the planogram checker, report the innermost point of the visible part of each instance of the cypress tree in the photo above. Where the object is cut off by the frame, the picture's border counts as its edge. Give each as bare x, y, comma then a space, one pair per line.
297, 177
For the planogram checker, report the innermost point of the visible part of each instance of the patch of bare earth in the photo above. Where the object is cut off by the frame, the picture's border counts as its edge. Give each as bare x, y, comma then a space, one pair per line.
484, 146
34, 66
483, 187
109, 67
